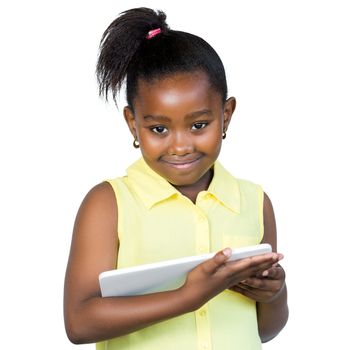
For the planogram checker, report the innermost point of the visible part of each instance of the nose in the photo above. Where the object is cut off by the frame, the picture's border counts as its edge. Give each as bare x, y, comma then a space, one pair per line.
180, 144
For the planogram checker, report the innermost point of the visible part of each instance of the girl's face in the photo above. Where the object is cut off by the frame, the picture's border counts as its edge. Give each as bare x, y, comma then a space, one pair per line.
179, 122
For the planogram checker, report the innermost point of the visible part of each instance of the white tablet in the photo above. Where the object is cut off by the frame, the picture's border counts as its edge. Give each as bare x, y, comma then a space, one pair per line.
162, 276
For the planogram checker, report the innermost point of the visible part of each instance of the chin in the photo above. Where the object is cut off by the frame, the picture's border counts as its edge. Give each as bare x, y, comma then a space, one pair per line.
184, 180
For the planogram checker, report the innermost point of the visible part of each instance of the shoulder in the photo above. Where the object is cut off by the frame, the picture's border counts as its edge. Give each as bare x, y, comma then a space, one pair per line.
99, 207
101, 195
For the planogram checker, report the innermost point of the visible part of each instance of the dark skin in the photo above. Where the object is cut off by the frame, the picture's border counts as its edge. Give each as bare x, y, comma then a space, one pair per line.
179, 123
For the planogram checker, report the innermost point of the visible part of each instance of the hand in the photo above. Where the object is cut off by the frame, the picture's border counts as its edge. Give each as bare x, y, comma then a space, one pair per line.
264, 287
217, 274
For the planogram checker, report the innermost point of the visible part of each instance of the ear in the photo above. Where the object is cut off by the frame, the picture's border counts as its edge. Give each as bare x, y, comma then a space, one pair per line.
229, 108
130, 120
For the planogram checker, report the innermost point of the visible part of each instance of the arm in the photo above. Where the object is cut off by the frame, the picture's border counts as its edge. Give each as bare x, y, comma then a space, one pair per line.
273, 314
94, 249
268, 288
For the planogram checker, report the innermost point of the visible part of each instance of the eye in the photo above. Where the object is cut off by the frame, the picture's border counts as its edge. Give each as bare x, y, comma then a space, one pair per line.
199, 125
159, 129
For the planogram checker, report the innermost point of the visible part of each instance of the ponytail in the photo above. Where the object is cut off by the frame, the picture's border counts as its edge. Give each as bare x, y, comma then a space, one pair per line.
119, 44
140, 45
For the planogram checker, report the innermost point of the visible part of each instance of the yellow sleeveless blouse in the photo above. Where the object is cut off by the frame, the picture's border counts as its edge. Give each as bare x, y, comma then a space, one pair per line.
156, 222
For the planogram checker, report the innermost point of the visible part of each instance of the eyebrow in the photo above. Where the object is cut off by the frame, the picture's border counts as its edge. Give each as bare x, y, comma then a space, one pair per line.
192, 115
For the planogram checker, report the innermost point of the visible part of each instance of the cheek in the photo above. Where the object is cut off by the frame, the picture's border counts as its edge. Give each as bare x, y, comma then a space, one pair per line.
150, 143
215, 146
211, 141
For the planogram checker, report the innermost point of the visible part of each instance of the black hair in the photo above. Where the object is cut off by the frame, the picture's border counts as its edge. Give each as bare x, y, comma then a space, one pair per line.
125, 52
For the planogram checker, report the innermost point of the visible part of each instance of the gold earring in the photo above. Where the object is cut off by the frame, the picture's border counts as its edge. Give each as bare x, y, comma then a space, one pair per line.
224, 135
136, 143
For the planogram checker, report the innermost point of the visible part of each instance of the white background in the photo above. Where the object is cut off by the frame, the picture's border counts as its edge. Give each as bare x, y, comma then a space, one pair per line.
288, 67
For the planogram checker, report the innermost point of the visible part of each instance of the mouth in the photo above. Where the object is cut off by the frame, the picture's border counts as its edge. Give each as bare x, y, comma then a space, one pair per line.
181, 164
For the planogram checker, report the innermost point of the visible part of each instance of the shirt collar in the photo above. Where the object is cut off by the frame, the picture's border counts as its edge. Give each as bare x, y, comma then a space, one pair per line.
225, 188
152, 188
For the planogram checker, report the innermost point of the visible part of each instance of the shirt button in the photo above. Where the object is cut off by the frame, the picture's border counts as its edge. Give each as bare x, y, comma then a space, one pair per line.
205, 346
202, 313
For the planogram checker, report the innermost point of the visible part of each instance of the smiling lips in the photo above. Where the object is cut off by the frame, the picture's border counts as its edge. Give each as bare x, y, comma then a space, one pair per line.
183, 163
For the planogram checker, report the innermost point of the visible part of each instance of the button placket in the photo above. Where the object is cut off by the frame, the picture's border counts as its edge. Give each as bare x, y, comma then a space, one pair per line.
203, 328
202, 246
202, 233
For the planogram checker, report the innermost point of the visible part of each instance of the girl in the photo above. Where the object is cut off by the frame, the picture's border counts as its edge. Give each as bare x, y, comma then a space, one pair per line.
176, 201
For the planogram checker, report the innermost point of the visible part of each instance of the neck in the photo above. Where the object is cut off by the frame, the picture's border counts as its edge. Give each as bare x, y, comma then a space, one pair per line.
191, 191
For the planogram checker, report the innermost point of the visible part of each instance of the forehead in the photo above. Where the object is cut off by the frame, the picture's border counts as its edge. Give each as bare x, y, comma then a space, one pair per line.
180, 91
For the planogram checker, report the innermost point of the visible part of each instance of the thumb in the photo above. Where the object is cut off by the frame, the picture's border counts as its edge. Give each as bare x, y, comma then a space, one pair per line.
220, 258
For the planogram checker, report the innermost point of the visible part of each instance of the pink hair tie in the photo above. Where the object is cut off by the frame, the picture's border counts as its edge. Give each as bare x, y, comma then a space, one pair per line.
152, 33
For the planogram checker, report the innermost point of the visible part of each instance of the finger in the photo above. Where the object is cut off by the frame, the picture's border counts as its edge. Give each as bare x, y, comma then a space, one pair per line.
252, 283
219, 259
275, 272
266, 273
258, 263
253, 294
280, 256
245, 268
261, 284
